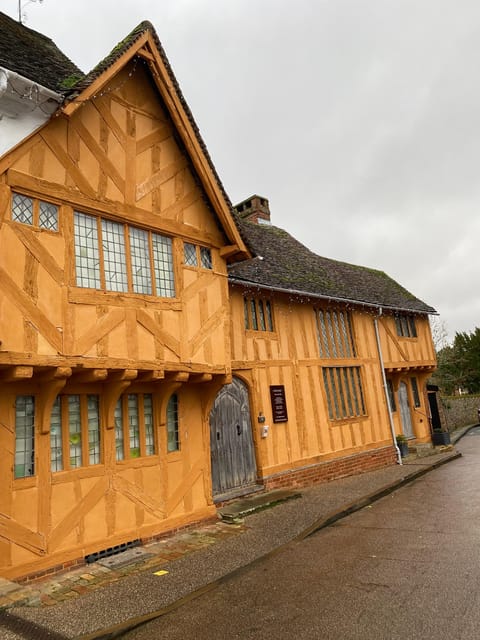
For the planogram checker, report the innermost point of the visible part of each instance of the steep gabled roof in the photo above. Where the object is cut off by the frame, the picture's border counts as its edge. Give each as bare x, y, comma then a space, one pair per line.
143, 42
283, 263
34, 56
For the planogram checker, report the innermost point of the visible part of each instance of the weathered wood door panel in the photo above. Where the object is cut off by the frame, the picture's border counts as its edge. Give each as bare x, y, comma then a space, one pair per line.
405, 410
232, 453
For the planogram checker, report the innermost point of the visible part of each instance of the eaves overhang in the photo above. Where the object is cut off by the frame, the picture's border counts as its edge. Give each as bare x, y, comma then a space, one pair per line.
308, 295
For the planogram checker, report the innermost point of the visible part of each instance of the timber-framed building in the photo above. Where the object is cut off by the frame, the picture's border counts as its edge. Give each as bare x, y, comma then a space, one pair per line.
161, 350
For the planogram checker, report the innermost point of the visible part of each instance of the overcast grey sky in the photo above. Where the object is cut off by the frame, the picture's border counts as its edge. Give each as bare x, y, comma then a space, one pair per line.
358, 119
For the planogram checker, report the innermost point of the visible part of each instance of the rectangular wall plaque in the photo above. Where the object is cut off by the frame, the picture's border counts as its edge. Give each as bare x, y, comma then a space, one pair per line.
279, 403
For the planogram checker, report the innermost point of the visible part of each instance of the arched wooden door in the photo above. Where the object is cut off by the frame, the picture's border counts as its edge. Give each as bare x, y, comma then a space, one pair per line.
231, 440
405, 410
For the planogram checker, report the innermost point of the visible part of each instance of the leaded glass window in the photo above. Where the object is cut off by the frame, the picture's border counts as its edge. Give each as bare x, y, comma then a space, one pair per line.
130, 260
24, 437
56, 439
87, 257
391, 396
22, 209
415, 392
173, 438
206, 257
344, 392
134, 426
163, 262
140, 254
258, 314
335, 334
148, 418
114, 258
195, 255
405, 325
93, 420
48, 216
119, 439
34, 212
190, 254
74, 432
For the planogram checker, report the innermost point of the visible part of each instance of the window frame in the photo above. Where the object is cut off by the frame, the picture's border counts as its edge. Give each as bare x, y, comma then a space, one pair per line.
258, 314
172, 422
143, 431
391, 395
344, 391
77, 442
30, 438
92, 260
335, 334
36, 206
405, 325
203, 257
417, 402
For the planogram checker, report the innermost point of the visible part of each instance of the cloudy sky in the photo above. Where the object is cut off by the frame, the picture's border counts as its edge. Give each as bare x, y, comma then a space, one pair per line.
358, 119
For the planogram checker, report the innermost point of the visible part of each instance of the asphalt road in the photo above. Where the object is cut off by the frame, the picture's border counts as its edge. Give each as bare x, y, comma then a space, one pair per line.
406, 567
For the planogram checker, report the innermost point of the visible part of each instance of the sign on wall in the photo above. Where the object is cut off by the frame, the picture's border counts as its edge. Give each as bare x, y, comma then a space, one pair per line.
279, 403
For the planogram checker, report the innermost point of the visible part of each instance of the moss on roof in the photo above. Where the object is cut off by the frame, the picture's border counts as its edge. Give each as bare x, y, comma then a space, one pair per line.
33, 55
282, 262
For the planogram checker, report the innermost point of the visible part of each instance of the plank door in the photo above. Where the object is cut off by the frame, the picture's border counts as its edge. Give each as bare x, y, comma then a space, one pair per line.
231, 440
405, 410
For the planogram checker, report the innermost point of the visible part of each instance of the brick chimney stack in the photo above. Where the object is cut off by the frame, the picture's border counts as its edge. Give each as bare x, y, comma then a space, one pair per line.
254, 209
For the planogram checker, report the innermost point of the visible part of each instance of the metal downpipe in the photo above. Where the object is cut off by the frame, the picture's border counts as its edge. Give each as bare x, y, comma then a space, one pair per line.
385, 389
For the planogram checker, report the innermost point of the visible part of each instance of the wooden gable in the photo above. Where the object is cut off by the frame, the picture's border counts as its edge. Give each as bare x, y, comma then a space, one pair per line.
115, 152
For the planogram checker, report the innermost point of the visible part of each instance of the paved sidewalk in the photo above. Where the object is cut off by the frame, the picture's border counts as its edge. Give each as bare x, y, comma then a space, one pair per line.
111, 592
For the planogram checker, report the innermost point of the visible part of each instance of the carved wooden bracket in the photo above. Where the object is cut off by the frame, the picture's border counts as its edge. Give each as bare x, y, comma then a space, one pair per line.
116, 384
51, 385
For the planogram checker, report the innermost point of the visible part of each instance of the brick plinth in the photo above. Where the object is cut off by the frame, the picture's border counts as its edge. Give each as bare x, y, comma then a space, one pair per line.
332, 469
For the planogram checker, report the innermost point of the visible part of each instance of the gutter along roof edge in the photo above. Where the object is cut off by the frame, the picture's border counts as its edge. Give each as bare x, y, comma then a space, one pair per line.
318, 296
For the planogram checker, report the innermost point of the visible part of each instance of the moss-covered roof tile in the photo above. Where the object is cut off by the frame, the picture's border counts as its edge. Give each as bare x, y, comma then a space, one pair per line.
282, 262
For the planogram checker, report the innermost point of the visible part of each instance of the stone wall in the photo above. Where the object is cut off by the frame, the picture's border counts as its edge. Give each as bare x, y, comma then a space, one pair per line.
460, 411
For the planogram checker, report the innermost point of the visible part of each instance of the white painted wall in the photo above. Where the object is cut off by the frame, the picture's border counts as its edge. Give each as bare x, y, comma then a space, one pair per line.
14, 130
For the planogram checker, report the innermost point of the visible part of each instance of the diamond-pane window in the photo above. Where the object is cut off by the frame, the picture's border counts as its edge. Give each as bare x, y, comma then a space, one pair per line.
22, 209
190, 254
48, 216
206, 257
335, 334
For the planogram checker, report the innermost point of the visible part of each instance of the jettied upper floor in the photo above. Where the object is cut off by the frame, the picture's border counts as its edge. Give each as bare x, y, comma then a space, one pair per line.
116, 230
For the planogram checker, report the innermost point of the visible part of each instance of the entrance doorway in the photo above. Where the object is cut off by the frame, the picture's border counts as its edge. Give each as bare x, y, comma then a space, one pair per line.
231, 440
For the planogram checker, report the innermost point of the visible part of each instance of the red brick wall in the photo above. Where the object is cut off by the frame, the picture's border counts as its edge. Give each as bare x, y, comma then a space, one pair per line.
333, 469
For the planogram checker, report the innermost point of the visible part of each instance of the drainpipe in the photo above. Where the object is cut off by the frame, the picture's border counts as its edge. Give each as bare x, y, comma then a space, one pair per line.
384, 379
